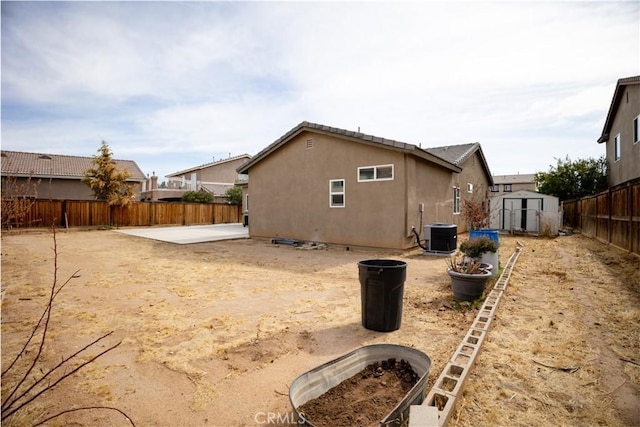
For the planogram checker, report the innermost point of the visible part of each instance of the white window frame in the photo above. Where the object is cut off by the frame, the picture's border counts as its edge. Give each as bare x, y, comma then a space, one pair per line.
636, 130
469, 187
616, 148
506, 188
456, 200
332, 193
375, 173
495, 188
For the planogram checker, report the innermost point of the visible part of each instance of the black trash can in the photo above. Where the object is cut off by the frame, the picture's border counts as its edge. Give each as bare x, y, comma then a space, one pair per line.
382, 289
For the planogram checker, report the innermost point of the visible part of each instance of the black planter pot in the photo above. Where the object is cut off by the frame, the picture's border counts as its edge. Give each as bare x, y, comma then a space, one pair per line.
468, 287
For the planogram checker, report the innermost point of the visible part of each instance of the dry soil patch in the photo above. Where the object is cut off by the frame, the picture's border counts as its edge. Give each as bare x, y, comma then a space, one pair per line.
212, 334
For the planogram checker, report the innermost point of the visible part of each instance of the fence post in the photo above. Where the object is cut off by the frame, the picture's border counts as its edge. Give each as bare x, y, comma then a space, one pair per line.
630, 210
609, 208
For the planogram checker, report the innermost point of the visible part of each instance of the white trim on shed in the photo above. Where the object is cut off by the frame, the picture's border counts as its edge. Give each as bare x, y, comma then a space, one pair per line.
527, 212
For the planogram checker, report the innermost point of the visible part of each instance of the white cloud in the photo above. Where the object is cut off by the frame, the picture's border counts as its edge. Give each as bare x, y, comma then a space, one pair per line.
204, 78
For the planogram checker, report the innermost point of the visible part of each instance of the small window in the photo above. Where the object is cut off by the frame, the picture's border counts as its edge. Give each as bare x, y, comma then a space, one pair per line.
507, 187
636, 130
375, 173
336, 193
469, 187
616, 148
495, 188
456, 200
366, 174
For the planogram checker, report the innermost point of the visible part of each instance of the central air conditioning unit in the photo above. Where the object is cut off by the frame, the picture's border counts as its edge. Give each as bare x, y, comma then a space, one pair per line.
441, 237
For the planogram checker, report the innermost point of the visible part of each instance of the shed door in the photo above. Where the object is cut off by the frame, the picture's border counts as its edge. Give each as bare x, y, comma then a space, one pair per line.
522, 214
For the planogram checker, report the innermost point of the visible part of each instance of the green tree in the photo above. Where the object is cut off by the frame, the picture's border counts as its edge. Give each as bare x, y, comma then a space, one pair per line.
200, 196
574, 179
107, 182
234, 195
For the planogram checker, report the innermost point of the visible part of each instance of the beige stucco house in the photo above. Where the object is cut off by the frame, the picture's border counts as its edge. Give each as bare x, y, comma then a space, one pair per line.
58, 177
323, 184
510, 183
621, 132
215, 178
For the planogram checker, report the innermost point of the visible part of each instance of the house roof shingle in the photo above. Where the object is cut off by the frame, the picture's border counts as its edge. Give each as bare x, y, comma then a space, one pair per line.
524, 178
456, 154
448, 157
217, 162
615, 101
42, 165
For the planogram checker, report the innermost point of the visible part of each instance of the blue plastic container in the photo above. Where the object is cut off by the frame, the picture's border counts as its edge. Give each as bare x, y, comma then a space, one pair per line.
487, 232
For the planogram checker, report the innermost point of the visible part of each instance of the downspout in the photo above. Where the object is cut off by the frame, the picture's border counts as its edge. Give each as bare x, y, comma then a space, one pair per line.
406, 196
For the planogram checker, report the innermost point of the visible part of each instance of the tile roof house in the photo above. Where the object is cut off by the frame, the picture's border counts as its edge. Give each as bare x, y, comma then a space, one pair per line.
324, 184
59, 175
510, 183
621, 132
215, 178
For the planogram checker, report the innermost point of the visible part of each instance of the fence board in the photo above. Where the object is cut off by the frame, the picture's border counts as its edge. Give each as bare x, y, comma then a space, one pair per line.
43, 213
86, 213
198, 213
135, 215
612, 216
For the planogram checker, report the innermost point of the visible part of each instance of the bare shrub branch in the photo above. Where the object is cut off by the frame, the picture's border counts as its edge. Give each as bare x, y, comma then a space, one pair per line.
29, 387
18, 195
83, 409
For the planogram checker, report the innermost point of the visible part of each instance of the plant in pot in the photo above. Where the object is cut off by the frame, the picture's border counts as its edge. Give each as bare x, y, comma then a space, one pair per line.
468, 277
481, 249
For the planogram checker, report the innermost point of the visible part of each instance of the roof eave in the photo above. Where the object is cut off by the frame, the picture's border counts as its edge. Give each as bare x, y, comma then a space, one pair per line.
244, 168
615, 100
348, 135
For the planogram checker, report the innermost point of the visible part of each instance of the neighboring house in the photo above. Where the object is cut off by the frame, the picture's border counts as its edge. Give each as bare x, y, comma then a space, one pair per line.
215, 178
621, 132
510, 183
525, 211
58, 177
323, 184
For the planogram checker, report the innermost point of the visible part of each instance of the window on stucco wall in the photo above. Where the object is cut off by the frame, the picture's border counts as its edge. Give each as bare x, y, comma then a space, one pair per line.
336, 193
375, 173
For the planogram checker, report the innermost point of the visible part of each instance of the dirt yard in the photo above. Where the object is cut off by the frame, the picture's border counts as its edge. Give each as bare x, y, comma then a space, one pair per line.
212, 334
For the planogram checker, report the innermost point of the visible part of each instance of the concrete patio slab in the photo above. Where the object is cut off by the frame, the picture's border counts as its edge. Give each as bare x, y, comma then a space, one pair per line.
184, 235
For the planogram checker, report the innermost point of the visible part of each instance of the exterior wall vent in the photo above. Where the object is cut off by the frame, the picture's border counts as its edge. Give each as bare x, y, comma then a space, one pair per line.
309, 143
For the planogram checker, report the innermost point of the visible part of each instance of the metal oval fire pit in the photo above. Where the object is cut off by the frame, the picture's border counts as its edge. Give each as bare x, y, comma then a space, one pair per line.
318, 381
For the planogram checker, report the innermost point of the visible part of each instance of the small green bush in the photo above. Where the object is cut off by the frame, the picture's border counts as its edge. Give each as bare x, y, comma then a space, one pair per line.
474, 248
234, 195
197, 197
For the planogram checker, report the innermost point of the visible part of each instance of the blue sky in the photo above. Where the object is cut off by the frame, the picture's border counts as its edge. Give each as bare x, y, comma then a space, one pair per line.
172, 85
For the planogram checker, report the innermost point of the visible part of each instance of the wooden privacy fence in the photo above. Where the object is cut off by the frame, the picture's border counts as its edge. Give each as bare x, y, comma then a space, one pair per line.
84, 213
612, 216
